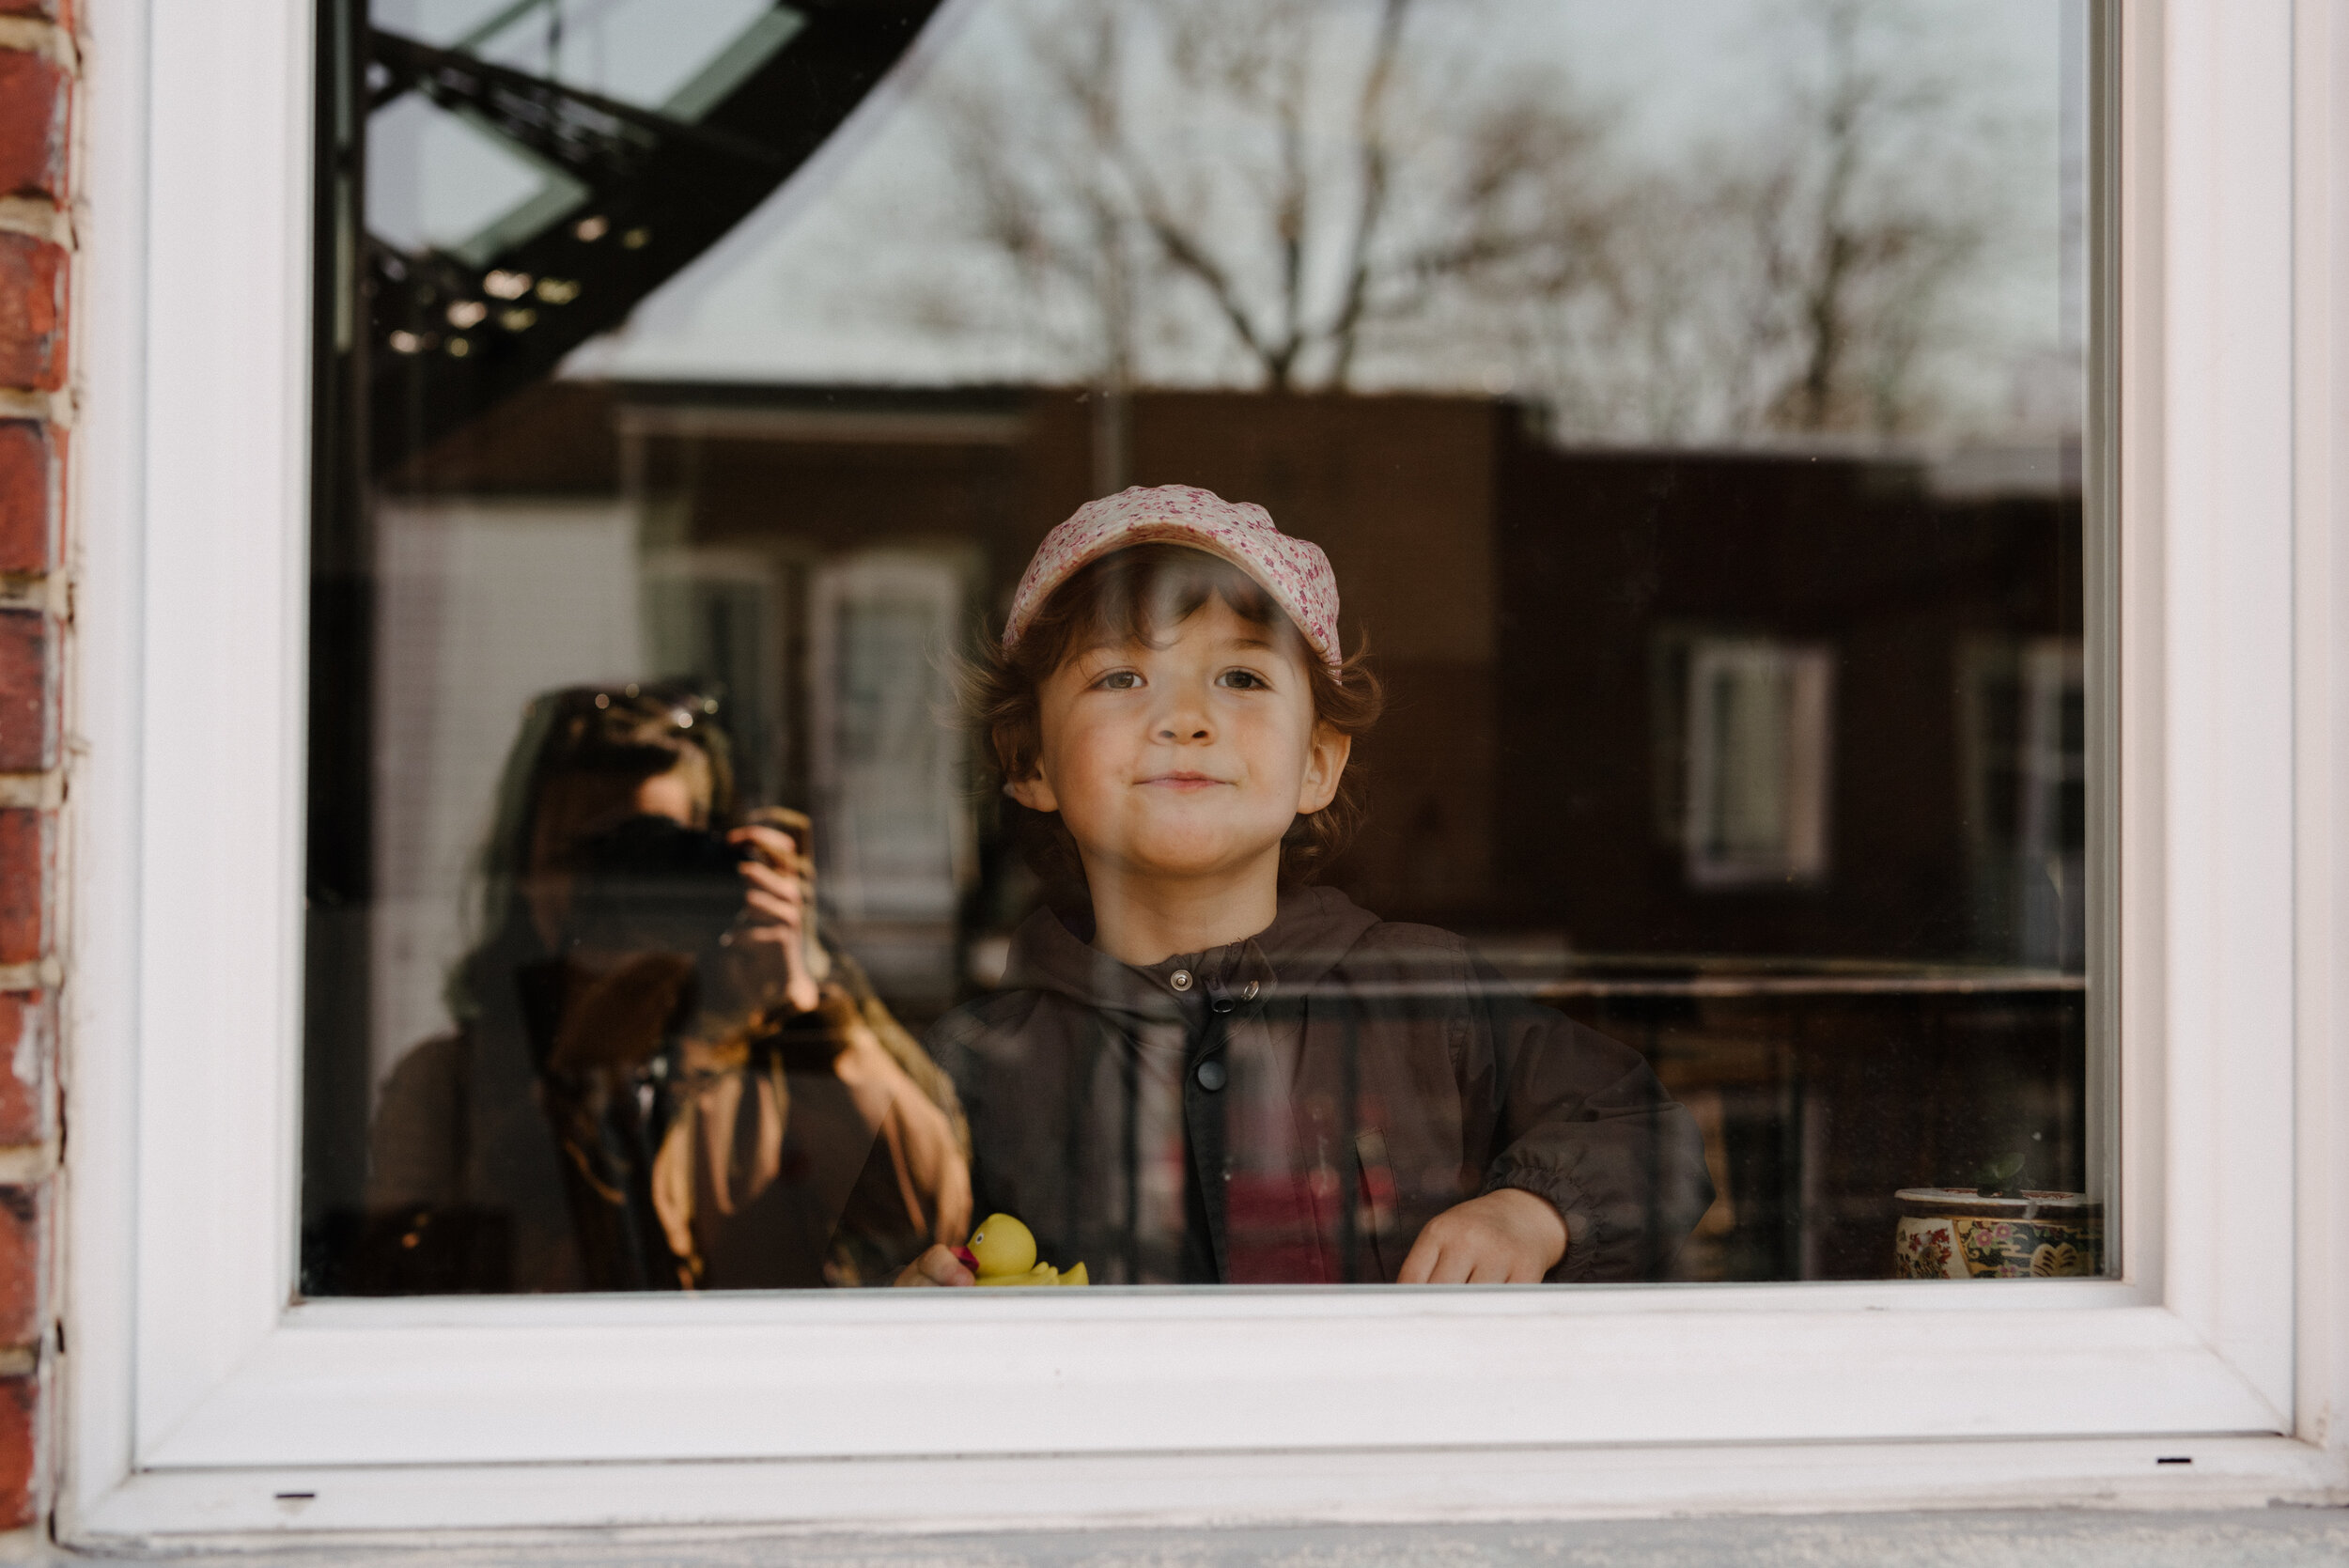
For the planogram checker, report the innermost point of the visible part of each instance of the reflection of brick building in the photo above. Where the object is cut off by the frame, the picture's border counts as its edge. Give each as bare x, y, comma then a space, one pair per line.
1607, 558
1586, 653
1491, 573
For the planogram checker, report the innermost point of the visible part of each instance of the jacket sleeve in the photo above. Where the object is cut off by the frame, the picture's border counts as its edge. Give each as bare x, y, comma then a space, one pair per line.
1582, 1120
958, 1043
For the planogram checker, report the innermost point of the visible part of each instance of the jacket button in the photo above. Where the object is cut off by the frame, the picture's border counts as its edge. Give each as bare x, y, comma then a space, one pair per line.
1211, 1075
1180, 980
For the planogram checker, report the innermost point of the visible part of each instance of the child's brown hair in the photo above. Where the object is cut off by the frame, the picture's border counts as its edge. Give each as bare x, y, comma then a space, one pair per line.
1124, 596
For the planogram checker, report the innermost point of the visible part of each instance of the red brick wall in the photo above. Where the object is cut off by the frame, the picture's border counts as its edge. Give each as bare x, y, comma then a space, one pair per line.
37, 62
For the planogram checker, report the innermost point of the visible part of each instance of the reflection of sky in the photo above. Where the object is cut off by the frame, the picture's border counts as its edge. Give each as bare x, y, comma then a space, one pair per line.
1689, 72
815, 286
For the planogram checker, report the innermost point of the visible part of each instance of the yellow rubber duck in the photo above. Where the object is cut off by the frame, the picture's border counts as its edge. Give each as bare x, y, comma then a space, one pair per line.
1002, 1252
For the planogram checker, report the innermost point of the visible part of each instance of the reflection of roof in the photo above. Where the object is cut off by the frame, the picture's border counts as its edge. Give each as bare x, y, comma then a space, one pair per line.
2021, 469
1984, 473
635, 195
823, 415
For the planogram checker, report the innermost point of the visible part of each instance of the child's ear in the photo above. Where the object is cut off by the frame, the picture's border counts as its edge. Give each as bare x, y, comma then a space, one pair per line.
1024, 774
1325, 765
1034, 792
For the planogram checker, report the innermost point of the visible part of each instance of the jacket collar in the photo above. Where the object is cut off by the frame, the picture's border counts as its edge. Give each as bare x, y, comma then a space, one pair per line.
1312, 930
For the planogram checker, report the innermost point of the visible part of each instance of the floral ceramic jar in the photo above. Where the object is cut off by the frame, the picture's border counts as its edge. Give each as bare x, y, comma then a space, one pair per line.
1954, 1232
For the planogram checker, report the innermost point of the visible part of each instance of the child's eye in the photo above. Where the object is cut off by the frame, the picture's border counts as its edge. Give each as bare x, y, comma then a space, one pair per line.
1245, 680
1119, 680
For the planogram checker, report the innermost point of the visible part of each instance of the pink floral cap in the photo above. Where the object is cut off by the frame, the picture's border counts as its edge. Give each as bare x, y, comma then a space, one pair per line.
1294, 571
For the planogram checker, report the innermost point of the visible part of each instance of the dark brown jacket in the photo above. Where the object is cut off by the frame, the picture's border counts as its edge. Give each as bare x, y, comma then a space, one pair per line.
1344, 1080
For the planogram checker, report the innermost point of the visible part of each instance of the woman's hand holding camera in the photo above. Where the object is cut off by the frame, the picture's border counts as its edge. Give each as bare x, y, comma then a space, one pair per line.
777, 899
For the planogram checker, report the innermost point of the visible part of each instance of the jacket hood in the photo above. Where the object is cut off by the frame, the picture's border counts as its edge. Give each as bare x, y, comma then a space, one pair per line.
1313, 929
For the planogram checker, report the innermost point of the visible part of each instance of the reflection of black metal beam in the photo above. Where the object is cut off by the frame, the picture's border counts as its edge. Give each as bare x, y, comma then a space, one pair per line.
453, 335
593, 137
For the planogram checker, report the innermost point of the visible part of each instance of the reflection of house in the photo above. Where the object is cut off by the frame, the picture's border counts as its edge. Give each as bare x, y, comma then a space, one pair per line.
1755, 703
1613, 563
1776, 709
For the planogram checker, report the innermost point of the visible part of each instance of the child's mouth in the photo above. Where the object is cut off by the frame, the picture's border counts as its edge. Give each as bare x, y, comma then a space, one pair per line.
1182, 781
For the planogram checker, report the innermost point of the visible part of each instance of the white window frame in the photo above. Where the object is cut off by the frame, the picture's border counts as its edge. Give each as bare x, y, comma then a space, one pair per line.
199, 1403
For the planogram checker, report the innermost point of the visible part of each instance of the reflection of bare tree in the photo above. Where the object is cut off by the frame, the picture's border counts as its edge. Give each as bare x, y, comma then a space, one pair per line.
1321, 193
1859, 218
1800, 282
1276, 157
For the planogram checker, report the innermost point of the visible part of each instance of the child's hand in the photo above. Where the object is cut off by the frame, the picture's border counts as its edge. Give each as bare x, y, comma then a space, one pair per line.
937, 1267
1506, 1237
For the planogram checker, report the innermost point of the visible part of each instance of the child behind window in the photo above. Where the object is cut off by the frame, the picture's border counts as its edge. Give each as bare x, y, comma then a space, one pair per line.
1220, 1074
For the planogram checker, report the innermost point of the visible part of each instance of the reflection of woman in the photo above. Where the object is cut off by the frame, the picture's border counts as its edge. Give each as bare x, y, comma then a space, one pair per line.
657, 1078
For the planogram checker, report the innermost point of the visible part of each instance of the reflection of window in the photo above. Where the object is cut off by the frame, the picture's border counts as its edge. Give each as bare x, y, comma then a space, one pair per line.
2026, 795
713, 618
1760, 736
894, 839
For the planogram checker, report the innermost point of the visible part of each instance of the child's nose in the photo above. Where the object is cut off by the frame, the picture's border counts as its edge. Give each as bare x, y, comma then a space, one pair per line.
1184, 719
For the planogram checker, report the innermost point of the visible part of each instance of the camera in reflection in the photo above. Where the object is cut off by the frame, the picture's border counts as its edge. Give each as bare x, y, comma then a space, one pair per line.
651, 884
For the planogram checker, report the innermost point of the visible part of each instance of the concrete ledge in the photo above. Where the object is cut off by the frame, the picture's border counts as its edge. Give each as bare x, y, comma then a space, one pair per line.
2281, 1537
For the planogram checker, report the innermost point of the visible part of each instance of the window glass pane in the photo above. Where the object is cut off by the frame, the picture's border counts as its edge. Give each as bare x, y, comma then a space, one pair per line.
1626, 808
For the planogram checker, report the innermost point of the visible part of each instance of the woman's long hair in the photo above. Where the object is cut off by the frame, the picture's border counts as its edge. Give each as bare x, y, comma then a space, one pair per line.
580, 756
